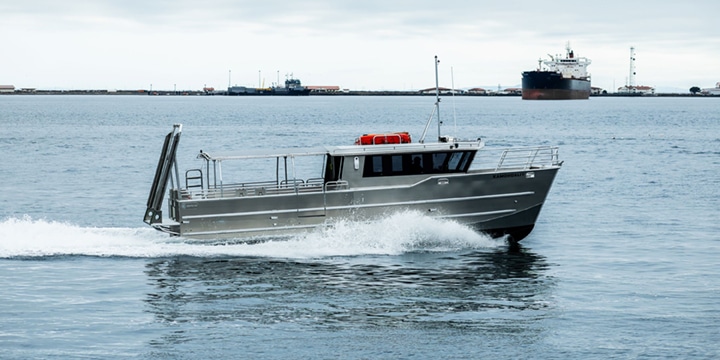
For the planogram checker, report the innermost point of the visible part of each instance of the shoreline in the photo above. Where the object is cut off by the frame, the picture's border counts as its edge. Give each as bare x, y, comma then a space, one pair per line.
344, 93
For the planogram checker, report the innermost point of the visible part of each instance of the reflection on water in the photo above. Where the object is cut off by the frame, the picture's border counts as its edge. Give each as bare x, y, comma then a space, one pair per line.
499, 289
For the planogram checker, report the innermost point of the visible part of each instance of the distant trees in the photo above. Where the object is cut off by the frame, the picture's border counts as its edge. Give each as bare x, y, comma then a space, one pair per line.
694, 90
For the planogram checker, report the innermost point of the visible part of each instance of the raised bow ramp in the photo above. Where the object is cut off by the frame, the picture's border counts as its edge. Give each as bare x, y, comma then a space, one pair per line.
163, 174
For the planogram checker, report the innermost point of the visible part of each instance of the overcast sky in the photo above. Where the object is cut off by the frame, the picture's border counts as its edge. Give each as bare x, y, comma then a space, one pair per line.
359, 45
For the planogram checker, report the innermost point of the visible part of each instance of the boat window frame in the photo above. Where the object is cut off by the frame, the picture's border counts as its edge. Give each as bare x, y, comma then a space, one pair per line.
431, 162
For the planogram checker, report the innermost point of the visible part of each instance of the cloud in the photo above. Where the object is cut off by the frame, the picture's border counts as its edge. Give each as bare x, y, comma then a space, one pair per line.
355, 44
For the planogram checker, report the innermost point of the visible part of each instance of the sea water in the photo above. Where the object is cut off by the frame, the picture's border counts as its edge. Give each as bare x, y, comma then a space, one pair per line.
623, 262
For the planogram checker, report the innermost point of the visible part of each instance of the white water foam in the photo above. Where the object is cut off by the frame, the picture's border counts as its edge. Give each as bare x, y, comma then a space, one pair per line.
395, 234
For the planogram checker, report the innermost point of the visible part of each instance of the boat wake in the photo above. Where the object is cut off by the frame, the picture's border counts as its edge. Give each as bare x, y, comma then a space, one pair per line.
393, 235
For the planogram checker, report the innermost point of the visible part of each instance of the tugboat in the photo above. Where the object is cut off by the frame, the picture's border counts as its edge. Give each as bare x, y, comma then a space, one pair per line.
501, 194
561, 79
292, 87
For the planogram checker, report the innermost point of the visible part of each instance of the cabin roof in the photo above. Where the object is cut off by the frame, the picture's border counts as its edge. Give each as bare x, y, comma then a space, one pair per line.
347, 150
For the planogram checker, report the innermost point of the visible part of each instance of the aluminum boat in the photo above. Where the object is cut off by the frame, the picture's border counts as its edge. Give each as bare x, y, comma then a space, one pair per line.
496, 191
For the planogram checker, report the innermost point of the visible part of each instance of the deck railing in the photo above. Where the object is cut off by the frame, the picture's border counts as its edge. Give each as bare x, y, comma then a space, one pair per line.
516, 158
264, 188
528, 158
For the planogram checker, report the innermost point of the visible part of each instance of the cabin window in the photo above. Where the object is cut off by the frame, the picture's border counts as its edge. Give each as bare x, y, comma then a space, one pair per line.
419, 163
457, 161
416, 164
377, 164
438, 161
373, 166
465, 161
396, 162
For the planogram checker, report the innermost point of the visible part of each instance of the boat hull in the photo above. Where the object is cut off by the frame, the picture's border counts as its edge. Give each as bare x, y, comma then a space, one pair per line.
550, 85
497, 203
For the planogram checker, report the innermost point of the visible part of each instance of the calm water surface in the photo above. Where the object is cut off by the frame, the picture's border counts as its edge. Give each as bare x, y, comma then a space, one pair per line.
623, 262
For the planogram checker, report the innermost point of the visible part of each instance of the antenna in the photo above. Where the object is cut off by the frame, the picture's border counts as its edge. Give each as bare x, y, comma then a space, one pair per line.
437, 95
452, 84
436, 108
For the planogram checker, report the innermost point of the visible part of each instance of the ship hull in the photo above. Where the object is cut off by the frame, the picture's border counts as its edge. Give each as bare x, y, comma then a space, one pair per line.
550, 85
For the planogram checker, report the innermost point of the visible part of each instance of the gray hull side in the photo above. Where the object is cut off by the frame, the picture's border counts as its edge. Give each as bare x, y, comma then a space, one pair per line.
497, 203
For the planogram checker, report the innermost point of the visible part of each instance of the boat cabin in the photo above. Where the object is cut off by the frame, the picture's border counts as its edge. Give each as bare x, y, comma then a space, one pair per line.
341, 167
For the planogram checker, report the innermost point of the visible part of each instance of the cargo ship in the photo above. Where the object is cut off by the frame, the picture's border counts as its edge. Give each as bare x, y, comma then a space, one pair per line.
558, 78
292, 87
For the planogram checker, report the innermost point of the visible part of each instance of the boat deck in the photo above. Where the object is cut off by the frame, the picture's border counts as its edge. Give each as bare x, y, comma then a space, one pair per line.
510, 160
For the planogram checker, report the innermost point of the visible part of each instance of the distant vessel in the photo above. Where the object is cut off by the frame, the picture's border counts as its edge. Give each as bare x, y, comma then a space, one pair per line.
712, 91
561, 79
292, 87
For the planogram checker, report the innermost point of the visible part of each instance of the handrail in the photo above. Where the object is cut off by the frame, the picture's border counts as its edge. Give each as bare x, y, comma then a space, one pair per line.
384, 138
336, 185
526, 158
263, 188
197, 176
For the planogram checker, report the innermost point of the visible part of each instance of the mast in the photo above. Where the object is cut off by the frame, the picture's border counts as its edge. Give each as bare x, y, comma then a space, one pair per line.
437, 96
436, 108
568, 50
